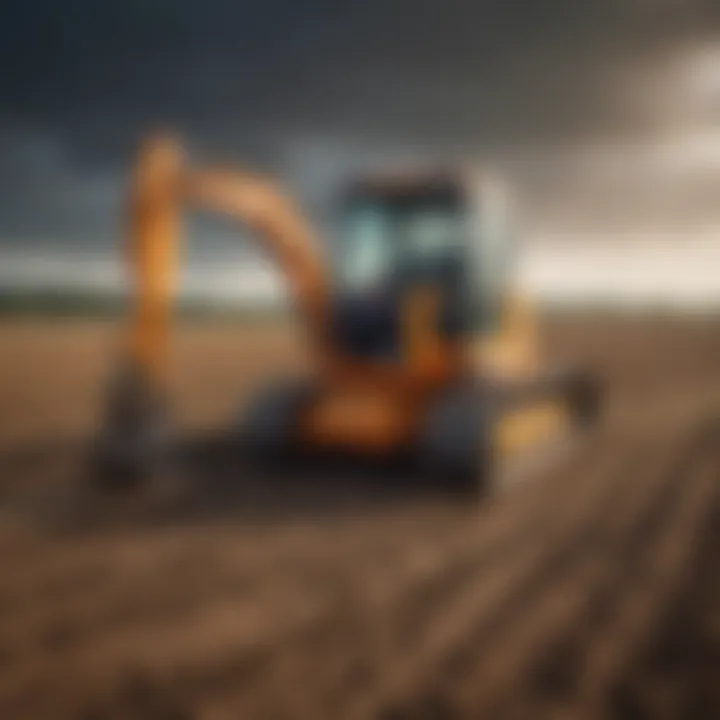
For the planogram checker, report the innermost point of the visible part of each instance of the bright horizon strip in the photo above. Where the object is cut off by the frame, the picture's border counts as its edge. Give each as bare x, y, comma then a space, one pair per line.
634, 271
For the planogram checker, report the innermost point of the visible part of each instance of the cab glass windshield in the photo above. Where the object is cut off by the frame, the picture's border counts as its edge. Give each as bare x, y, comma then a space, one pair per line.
381, 237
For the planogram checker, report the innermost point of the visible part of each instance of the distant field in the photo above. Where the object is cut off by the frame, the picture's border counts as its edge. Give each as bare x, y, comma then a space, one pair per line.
81, 304
90, 304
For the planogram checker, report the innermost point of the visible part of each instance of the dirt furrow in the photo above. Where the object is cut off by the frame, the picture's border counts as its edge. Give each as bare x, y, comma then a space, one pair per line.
596, 570
652, 582
676, 675
110, 592
248, 630
256, 545
481, 620
365, 647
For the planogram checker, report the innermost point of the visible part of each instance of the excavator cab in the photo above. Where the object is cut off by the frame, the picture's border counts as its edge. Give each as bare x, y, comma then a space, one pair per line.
448, 230
428, 392
389, 241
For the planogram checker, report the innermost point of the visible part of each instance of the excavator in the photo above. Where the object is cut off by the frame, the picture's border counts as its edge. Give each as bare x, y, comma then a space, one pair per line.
421, 346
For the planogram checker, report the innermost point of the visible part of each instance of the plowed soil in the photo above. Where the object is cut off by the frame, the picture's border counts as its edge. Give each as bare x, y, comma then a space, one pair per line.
589, 589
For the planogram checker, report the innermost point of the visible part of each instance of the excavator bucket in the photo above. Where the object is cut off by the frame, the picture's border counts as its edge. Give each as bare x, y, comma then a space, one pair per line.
477, 434
544, 415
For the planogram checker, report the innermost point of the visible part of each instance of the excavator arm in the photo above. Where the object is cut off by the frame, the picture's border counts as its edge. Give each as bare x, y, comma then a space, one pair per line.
271, 215
152, 245
163, 187
134, 434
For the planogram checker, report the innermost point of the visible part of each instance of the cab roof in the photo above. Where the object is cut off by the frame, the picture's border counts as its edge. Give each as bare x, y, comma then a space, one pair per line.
406, 184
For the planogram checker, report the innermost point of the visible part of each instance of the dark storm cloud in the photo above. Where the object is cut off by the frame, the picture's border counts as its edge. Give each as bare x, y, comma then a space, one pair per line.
85, 65
82, 80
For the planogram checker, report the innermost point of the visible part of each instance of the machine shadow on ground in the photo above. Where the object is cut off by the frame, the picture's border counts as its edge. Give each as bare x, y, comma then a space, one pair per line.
213, 482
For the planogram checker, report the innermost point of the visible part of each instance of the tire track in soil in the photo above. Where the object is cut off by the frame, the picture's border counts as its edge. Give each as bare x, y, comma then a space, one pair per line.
75, 564
490, 684
345, 623
614, 580
36, 571
96, 598
276, 634
485, 619
676, 675
351, 648
653, 580
224, 597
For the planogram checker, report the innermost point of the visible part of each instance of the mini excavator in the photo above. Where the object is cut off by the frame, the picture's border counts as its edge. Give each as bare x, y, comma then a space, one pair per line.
421, 347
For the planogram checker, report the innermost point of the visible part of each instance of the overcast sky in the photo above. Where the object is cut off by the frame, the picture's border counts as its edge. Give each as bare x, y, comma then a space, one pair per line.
605, 113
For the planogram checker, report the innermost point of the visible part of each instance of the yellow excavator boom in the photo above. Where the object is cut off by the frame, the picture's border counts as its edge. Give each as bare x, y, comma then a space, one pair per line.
163, 185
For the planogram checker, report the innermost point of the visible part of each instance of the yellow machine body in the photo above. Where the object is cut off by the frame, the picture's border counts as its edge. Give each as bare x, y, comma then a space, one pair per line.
362, 402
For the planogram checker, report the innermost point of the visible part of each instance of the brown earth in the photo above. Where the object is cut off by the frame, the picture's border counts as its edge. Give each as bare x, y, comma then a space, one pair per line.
589, 591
